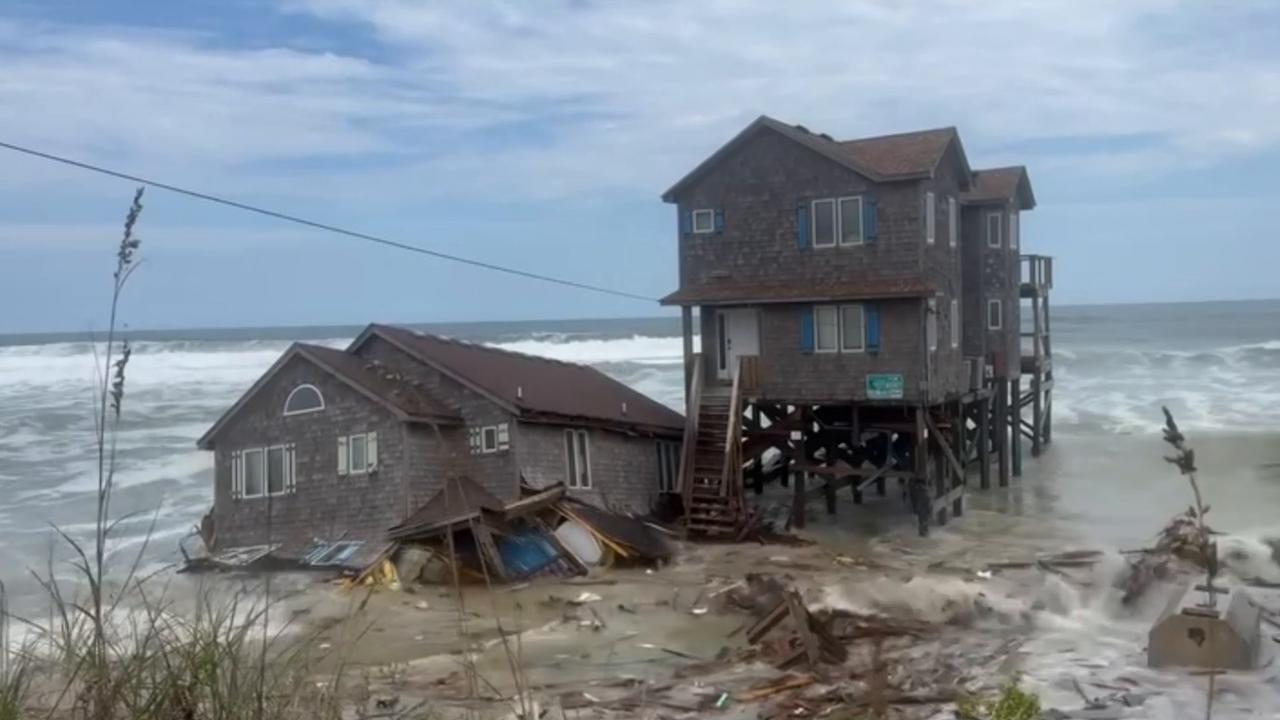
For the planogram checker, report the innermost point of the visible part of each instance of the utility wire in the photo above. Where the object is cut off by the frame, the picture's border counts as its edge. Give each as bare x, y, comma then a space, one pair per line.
322, 226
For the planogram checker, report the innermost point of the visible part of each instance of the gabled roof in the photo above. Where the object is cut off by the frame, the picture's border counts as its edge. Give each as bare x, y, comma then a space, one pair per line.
531, 386
904, 156
863, 288
1001, 185
380, 385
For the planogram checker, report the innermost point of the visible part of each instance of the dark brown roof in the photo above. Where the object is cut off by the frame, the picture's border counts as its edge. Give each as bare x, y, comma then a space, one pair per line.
382, 381
460, 499
533, 385
903, 154
856, 289
380, 385
1001, 185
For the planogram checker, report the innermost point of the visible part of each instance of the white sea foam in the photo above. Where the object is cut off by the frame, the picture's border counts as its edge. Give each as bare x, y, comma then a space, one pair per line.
635, 349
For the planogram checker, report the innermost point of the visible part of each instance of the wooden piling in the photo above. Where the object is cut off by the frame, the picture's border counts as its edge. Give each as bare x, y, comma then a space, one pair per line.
921, 492
1001, 427
1015, 421
984, 442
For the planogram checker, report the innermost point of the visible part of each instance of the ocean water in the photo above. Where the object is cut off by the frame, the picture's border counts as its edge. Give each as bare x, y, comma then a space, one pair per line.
1102, 484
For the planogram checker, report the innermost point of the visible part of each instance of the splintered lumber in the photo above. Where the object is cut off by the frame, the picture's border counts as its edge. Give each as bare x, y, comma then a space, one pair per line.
806, 639
782, 684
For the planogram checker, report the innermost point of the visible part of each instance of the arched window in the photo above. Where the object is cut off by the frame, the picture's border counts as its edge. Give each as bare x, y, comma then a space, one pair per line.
303, 399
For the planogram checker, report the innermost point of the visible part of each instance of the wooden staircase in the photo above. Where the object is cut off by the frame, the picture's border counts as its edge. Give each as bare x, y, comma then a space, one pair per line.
711, 463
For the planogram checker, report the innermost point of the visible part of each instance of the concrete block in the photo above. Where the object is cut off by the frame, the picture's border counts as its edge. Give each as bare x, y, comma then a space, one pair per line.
1191, 634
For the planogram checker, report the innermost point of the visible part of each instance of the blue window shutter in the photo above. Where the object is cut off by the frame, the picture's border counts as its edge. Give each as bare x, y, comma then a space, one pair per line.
872, 313
686, 222
802, 227
719, 221
806, 329
869, 219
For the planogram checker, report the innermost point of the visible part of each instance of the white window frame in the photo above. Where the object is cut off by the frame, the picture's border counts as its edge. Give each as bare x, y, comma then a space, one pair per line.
840, 345
244, 465
1013, 230
289, 469
479, 439
710, 215
817, 324
862, 230
668, 466
955, 323
303, 386
999, 318
835, 223
371, 459
578, 443
994, 241
862, 323
930, 218
953, 218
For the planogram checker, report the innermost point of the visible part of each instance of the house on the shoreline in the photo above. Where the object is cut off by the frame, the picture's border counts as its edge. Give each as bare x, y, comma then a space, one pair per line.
859, 312
338, 446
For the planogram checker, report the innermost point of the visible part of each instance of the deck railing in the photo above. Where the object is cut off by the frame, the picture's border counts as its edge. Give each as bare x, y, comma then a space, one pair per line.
1037, 271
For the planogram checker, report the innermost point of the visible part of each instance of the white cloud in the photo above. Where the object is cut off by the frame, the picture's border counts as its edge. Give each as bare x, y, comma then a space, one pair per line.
630, 95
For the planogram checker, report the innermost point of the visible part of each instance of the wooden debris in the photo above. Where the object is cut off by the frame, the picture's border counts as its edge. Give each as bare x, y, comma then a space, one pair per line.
805, 640
769, 689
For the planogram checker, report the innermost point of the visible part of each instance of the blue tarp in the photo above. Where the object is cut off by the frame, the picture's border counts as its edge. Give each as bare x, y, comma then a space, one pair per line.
526, 553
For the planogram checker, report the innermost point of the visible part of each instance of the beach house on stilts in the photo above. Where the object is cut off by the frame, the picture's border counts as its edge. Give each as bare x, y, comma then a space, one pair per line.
858, 307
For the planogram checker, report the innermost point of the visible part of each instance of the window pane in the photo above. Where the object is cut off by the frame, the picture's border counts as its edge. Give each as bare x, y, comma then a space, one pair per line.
490, 439
993, 314
702, 220
584, 470
851, 221
571, 459
302, 399
359, 456
275, 470
1013, 230
827, 324
851, 327
824, 223
253, 473
993, 230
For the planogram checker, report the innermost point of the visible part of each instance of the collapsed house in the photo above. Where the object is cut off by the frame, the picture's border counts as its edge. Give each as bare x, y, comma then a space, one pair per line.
331, 449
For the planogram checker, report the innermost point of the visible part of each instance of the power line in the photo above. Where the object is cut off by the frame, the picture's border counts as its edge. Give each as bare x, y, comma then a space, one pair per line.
322, 226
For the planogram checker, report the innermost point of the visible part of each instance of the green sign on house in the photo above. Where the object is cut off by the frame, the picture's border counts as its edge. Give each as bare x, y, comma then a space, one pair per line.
884, 386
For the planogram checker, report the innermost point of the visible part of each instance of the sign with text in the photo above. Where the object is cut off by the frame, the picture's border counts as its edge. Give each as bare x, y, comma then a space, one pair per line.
884, 386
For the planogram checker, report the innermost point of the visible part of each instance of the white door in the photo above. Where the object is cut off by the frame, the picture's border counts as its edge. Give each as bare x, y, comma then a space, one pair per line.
738, 331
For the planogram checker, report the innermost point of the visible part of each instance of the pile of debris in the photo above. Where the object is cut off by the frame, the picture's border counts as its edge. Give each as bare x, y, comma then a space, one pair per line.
472, 535
1181, 546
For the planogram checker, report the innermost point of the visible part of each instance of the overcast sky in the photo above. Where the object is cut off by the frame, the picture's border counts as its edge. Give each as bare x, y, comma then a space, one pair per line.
541, 134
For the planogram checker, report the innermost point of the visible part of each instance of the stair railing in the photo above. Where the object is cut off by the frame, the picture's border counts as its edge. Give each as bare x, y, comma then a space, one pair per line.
731, 474
693, 408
